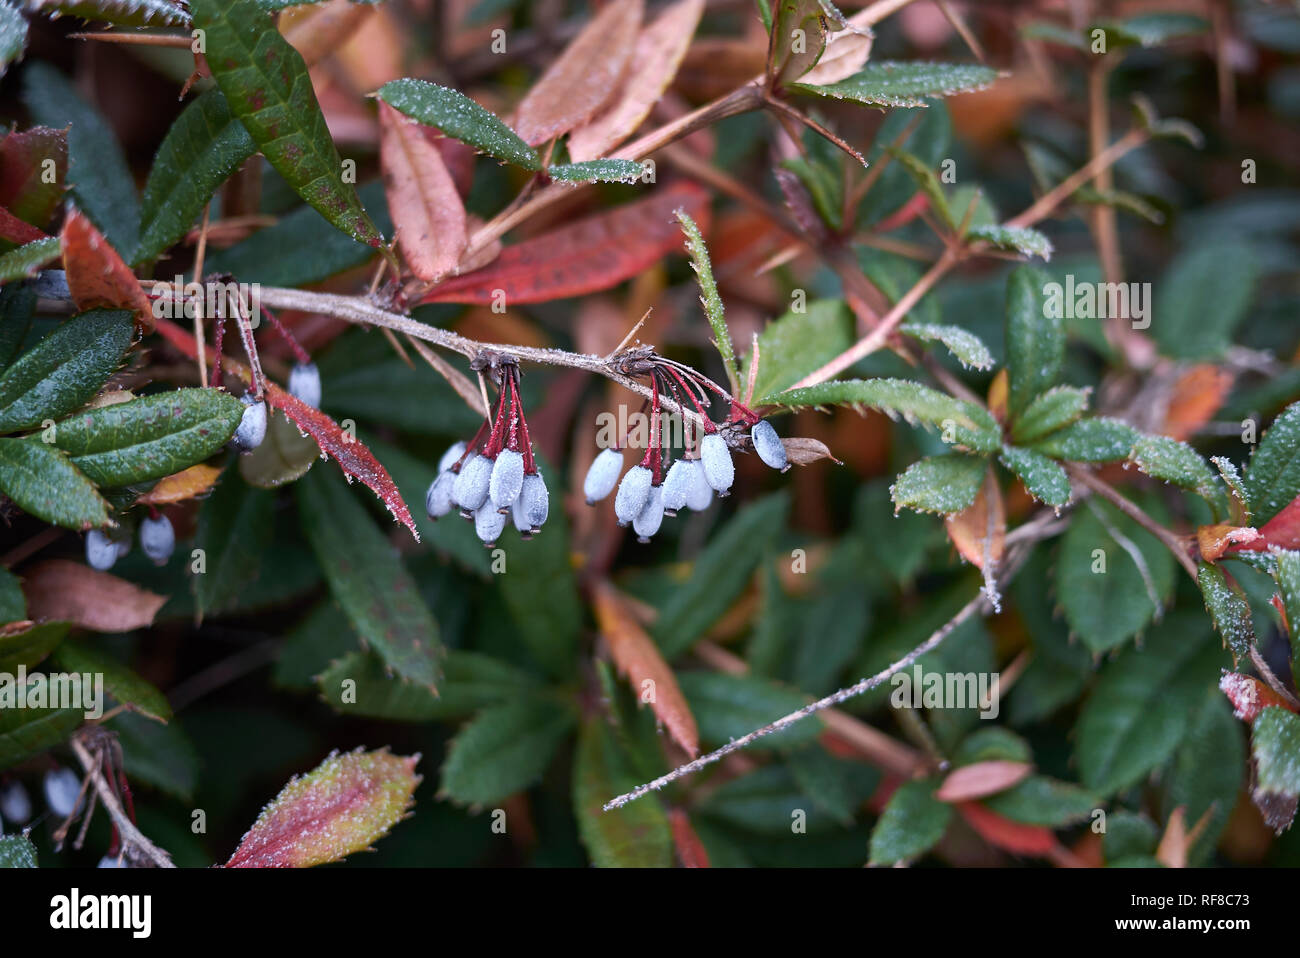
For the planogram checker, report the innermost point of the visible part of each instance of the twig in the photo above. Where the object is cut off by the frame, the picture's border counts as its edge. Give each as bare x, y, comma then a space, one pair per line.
1049, 201
130, 835
455, 378
1127, 506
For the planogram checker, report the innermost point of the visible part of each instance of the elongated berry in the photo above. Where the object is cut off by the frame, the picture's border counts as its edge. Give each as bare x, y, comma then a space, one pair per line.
633, 492
157, 538
437, 501
488, 523
536, 502
699, 494
676, 484
451, 456
101, 551
768, 446
15, 806
252, 425
470, 489
507, 479
651, 516
602, 476
719, 470
304, 384
62, 791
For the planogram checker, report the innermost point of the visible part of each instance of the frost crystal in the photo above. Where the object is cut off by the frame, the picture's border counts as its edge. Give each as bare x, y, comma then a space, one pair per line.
470, 489
507, 479
768, 446
719, 470
602, 476
651, 516
633, 492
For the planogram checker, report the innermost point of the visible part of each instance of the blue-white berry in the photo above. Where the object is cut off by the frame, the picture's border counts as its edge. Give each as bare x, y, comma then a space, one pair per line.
252, 425
157, 538
651, 516
719, 470
768, 445
699, 494
14, 803
602, 476
437, 501
62, 791
470, 490
489, 523
451, 456
533, 505
676, 484
507, 479
304, 384
101, 551
633, 492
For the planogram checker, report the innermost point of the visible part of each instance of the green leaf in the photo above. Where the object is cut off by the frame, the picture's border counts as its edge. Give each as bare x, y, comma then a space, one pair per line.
1237, 494
1108, 597
266, 84
930, 138
1054, 33
719, 574
796, 343
597, 171
124, 685
26, 260
1228, 607
1273, 478
1050, 411
825, 186
368, 579
17, 304
284, 456
729, 706
1045, 479
1287, 573
1203, 296
767, 801
1035, 339
1163, 458
1039, 800
31, 646
709, 297
912, 823
1206, 772
634, 836
125, 13
461, 118
967, 424
1016, 239
1089, 440
894, 84
98, 176
13, 36
824, 779
1153, 29
150, 437
234, 531
928, 181
43, 482
17, 851
939, 484
13, 606
1275, 747
992, 743
1143, 703
968, 348
504, 750
1129, 836
28, 731
204, 146
65, 369
160, 755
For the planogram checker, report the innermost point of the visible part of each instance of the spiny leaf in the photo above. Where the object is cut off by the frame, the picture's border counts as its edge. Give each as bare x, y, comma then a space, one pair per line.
120, 682
234, 531
1163, 458
1089, 440
27, 158
637, 835
27, 260
968, 348
13, 36
124, 13
505, 749
30, 731
939, 484
1017, 239
266, 84
1275, 747
29, 646
1228, 608
1035, 339
793, 345
1287, 575
41, 481
1151, 29
912, 823
1203, 296
1273, 477
1050, 411
894, 84
96, 273
709, 297
1039, 800
17, 851
1045, 480
459, 117
597, 171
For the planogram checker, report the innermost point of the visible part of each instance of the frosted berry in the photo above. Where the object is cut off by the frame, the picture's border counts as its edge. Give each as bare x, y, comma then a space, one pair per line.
304, 384
157, 538
437, 501
602, 476
252, 425
533, 505
110, 861
62, 791
15, 806
451, 456
488, 523
651, 516
676, 484
470, 490
699, 494
719, 470
633, 492
507, 479
101, 551
768, 446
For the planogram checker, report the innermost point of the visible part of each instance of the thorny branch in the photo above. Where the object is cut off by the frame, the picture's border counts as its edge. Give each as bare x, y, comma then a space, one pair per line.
133, 840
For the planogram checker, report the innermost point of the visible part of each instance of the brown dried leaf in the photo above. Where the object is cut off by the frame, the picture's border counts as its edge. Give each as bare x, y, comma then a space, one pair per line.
802, 450
317, 31
847, 52
659, 49
584, 77
980, 530
59, 590
981, 779
97, 275
637, 657
1217, 539
189, 483
1177, 841
427, 211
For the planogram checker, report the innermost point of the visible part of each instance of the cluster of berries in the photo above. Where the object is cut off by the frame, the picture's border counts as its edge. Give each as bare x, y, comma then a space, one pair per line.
493, 477
647, 494
62, 790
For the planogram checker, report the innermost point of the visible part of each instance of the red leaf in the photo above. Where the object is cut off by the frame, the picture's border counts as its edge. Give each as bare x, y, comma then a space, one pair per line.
352, 455
16, 231
1014, 837
981, 779
97, 276
1249, 696
588, 256
690, 849
905, 213
1283, 531
59, 590
26, 187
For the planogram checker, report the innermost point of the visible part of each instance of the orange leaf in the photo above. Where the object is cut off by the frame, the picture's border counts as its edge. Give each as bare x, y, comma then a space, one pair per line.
690, 849
187, 484
427, 211
315, 32
59, 590
584, 78
1196, 397
1217, 539
1249, 696
638, 658
980, 530
981, 779
1014, 837
588, 256
96, 274
660, 47
1177, 841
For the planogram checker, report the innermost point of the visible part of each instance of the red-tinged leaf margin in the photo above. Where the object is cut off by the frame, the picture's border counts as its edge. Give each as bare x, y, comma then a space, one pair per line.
352, 456
340, 807
96, 274
16, 231
1015, 837
1283, 531
1249, 696
690, 850
588, 256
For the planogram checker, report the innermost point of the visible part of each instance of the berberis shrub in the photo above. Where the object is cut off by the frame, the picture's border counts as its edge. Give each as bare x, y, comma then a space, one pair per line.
900, 406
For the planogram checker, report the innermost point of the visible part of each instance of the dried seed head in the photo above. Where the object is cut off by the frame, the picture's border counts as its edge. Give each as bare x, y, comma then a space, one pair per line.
719, 470
470, 489
451, 456
699, 494
488, 523
676, 485
437, 501
15, 806
304, 384
101, 551
62, 791
157, 539
633, 492
252, 425
507, 479
768, 446
651, 516
536, 500
602, 476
